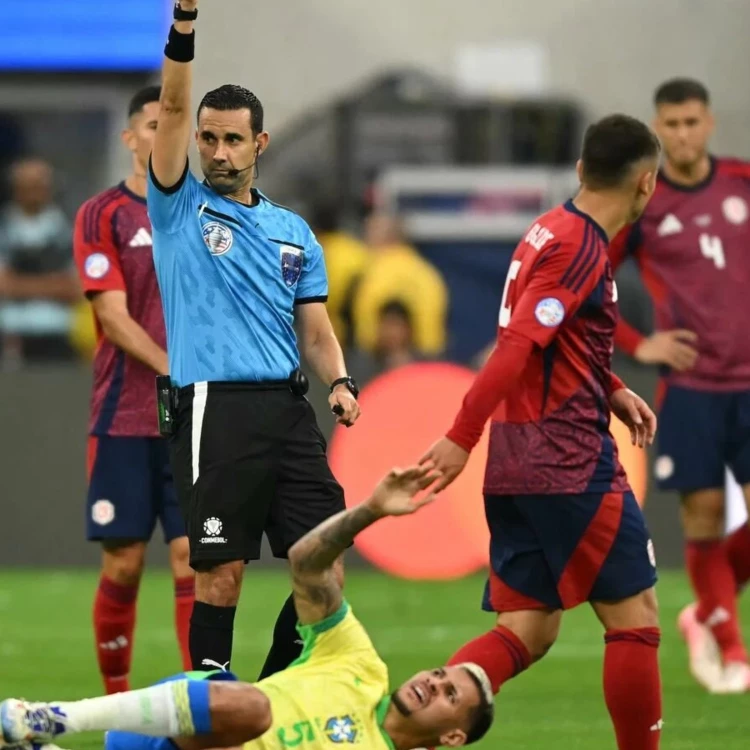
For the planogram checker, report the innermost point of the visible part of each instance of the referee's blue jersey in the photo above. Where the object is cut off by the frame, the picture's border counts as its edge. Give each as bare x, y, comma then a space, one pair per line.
230, 276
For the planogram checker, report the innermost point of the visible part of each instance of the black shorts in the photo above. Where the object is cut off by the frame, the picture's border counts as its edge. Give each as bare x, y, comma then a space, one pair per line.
246, 461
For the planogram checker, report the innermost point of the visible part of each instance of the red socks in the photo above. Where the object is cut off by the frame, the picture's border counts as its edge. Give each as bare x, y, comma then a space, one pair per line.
632, 687
500, 653
184, 597
114, 623
716, 590
738, 552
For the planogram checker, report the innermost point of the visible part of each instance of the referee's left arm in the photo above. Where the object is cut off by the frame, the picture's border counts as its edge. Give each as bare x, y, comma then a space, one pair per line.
322, 351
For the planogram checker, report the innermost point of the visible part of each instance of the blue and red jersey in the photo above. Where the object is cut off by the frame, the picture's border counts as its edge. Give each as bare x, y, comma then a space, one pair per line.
113, 252
547, 385
692, 246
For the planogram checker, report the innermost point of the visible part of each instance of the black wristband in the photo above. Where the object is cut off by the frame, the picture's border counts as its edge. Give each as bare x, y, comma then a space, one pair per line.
180, 47
184, 15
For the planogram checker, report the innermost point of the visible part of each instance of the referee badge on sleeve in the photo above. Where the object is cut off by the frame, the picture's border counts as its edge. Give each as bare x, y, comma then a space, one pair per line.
291, 264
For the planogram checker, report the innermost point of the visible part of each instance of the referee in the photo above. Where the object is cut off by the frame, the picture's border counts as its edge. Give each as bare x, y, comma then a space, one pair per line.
234, 269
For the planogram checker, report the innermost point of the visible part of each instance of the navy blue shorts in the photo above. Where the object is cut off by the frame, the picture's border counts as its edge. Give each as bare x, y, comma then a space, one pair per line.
558, 551
700, 434
130, 489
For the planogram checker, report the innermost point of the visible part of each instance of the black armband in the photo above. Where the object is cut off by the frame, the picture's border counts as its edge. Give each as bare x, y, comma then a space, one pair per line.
180, 47
184, 15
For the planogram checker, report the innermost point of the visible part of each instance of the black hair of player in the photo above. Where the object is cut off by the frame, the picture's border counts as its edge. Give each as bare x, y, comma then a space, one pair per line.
482, 716
143, 97
681, 90
612, 146
231, 97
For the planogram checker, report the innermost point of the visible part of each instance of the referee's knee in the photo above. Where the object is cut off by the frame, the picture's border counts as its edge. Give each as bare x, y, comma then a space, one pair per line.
220, 584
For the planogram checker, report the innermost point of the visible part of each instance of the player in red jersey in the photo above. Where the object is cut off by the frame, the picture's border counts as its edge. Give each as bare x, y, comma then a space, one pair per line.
565, 526
692, 246
130, 482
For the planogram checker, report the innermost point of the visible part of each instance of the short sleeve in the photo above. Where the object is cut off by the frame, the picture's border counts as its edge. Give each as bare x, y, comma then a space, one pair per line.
94, 251
170, 208
627, 243
313, 282
561, 280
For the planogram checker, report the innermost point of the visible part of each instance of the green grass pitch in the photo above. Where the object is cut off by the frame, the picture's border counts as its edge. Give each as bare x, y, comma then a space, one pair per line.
46, 652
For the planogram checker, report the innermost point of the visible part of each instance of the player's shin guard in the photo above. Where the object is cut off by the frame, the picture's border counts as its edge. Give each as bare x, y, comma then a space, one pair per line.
738, 553
632, 687
501, 654
114, 624
286, 646
715, 588
184, 598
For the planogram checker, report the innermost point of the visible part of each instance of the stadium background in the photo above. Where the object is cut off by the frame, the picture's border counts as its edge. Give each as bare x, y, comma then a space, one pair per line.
463, 121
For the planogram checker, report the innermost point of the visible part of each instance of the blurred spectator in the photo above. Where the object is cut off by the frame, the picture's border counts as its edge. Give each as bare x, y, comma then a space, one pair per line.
37, 281
394, 344
346, 259
396, 271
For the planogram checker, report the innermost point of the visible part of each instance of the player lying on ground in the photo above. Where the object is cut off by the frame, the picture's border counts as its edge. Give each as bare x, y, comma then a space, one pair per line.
565, 527
336, 692
691, 246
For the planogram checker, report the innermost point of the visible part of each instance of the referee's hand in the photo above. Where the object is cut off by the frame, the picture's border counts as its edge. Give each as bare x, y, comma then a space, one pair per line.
344, 406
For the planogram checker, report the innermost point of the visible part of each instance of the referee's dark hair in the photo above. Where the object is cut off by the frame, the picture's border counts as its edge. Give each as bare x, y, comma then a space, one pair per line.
612, 146
143, 97
681, 90
232, 97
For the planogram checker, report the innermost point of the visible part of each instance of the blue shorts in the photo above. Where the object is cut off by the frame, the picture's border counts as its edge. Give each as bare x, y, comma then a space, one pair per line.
130, 488
199, 705
558, 551
700, 434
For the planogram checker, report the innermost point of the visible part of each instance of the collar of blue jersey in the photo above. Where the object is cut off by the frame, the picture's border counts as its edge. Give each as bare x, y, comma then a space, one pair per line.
380, 712
254, 191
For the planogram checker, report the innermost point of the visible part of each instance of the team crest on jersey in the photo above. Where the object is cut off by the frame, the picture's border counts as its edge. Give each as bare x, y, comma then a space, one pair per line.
549, 312
96, 266
735, 209
341, 730
291, 264
218, 237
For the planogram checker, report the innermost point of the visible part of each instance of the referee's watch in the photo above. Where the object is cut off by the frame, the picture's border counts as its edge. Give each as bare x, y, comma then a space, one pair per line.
349, 382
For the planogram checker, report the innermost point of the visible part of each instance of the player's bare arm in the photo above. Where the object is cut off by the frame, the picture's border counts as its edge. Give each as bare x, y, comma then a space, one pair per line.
675, 348
173, 131
322, 350
111, 310
313, 559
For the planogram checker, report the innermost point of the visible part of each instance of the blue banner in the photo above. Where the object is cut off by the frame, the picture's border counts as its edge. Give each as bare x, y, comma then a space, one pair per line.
83, 35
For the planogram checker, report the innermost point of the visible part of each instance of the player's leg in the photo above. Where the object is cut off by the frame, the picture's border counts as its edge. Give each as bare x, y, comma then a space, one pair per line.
632, 682
173, 526
120, 517
692, 438
215, 714
307, 494
617, 547
224, 474
521, 589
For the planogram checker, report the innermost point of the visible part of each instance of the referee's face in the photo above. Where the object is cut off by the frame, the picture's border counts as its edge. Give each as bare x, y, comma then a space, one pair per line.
228, 148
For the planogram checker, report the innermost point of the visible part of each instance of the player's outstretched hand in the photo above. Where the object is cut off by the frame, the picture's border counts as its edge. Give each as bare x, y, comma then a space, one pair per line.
675, 348
394, 496
634, 412
448, 458
344, 406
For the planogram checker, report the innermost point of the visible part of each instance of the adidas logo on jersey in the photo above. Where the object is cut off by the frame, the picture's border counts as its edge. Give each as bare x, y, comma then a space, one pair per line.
142, 238
670, 225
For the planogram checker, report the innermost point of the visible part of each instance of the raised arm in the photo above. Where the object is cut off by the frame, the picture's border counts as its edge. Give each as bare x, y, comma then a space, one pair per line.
317, 590
169, 155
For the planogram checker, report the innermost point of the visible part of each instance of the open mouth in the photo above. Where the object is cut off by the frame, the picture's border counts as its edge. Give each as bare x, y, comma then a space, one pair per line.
421, 694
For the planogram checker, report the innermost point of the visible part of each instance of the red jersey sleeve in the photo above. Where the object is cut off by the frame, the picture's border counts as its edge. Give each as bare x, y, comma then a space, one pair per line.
628, 242
562, 278
96, 255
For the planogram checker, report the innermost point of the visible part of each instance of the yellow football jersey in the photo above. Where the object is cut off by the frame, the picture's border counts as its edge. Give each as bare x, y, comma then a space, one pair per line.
335, 695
